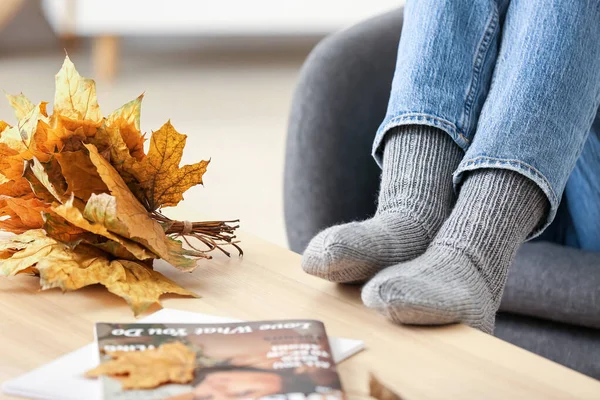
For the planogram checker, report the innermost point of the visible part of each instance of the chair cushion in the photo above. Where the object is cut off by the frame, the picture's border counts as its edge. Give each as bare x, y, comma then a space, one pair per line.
573, 347
556, 283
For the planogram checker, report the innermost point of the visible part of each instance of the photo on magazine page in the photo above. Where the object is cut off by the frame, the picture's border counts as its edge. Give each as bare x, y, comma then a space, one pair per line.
288, 359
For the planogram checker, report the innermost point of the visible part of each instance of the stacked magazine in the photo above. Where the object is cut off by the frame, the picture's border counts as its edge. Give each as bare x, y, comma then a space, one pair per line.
276, 360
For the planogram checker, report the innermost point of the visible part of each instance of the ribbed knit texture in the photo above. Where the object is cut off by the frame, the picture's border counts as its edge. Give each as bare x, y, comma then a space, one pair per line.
461, 276
416, 197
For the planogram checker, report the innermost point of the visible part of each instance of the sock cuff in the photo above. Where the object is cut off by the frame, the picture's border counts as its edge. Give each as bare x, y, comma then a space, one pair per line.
418, 163
509, 191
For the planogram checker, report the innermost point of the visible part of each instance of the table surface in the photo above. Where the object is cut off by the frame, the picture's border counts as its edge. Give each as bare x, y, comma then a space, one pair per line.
452, 362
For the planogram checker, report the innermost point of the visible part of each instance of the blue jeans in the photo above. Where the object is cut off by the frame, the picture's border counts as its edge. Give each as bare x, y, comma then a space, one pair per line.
516, 84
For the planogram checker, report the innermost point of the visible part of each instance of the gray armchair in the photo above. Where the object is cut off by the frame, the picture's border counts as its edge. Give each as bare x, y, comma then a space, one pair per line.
551, 305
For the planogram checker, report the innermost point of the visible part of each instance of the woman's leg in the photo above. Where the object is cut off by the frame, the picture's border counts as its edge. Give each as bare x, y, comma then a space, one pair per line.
531, 131
445, 61
342, 93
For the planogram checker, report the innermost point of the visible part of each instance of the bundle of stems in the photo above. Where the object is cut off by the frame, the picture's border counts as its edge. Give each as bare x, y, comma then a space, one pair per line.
213, 234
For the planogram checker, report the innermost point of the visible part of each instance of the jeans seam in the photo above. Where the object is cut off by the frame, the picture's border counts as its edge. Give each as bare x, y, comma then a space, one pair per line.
480, 56
419, 117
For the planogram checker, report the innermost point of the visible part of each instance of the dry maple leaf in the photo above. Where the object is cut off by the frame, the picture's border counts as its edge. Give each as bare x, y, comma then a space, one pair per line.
379, 391
80, 174
170, 363
75, 101
159, 175
24, 214
116, 245
59, 265
127, 121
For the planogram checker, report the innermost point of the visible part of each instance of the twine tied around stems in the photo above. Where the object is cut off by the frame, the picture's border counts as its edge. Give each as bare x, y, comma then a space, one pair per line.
187, 228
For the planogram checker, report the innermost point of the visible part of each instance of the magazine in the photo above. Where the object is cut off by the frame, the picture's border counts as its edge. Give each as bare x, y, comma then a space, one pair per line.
272, 360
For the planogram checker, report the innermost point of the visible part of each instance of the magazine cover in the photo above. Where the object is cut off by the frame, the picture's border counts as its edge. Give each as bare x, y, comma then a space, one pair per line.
247, 360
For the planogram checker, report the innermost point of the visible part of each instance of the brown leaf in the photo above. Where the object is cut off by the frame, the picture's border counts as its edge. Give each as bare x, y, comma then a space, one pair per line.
46, 178
159, 174
126, 120
379, 391
17, 188
170, 363
123, 214
80, 174
60, 229
35, 186
109, 142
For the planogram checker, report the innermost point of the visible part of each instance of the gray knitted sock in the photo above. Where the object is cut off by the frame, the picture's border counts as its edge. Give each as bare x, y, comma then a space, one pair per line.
416, 197
461, 276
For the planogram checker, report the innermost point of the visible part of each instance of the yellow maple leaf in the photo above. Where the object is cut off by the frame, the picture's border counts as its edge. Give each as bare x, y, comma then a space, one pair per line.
159, 175
172, 362
123, 214
127, 121
19, 137
29, 248
59, 265
21, 104
75, 101
142, 286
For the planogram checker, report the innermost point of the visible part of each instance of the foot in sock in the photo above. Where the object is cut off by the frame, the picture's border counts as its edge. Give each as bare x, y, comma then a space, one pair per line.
461, 276
416, 197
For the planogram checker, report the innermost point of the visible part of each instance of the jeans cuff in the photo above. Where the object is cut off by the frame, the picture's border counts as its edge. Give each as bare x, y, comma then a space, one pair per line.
414, 118
521, 167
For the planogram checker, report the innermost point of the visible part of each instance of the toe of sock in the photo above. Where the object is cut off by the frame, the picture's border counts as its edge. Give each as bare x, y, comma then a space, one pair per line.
424, 300
316, 260
408, 301
336, 254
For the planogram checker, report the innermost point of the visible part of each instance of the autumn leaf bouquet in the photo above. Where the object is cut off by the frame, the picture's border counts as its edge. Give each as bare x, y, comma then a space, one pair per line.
84, 199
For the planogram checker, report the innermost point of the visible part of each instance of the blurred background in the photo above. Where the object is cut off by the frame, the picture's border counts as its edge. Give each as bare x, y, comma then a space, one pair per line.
223, 72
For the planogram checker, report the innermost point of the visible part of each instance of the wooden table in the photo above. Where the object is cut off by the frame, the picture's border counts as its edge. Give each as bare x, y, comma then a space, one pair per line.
453, 362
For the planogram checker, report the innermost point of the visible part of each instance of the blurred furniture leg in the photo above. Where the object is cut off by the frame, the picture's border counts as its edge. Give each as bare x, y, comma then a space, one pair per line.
105, 56
68, 37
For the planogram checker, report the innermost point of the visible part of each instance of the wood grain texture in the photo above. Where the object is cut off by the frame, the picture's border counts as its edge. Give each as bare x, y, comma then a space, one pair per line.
453, 362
